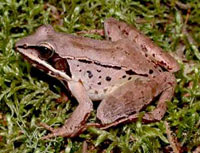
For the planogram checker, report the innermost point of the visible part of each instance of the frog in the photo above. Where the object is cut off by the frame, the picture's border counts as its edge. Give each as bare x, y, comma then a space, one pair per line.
125, 73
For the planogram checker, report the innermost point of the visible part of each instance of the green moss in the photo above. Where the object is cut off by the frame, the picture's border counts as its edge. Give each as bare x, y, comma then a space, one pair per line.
26, 99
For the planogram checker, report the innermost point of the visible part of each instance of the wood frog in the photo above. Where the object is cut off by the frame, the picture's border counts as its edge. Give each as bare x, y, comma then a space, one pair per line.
125, 72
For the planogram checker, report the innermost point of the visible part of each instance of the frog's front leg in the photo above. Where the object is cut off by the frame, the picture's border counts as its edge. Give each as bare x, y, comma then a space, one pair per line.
116, 30
76, 122
124, 103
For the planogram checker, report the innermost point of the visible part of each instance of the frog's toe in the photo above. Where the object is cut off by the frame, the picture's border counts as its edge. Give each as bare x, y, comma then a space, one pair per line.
64, 131
44, 125
58, 132
54, 132
51, 135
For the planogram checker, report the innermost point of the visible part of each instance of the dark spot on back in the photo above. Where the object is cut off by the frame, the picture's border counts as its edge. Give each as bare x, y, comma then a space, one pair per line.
125, 32
129, 78
136, 37
108, 78
77, 65
96, 92
98, 70
124, 76
99, 77
90, 75
144, 48
80, 70
150, 71
104, 90
153, 55
162, 63
99, 83
127, 53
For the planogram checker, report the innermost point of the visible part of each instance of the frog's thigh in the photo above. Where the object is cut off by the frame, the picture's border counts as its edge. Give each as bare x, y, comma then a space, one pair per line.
116, 30
129, 98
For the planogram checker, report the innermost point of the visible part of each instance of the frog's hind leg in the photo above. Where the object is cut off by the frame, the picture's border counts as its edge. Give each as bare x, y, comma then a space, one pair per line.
75, 123
116, 30
120, 107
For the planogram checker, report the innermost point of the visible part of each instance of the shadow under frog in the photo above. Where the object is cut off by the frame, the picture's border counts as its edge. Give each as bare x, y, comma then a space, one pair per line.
125, 72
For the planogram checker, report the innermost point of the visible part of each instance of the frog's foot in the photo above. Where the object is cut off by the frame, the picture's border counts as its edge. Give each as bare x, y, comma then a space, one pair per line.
72, 127
63, 131
169, 83
44, 125
158, 113
53, 134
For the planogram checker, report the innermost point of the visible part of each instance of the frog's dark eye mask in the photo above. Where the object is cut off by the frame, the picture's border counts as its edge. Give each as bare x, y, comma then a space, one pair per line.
44, 54
49, 55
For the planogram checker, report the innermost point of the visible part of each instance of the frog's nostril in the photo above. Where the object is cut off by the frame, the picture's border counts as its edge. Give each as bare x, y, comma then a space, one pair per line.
25, 46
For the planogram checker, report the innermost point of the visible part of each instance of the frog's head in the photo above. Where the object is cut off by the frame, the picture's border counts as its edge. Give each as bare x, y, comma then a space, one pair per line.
40, 49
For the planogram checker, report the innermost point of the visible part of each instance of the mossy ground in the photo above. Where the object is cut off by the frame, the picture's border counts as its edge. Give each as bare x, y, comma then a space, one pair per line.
27, 99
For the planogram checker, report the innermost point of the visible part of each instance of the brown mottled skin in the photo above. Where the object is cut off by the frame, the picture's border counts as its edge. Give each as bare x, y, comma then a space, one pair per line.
125, 72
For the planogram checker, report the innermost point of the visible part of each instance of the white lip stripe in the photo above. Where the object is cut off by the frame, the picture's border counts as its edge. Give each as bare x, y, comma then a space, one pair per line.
61, 74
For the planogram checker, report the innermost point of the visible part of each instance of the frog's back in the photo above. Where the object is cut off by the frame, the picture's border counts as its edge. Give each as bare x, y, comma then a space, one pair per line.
120, 54
102, 66
99, 80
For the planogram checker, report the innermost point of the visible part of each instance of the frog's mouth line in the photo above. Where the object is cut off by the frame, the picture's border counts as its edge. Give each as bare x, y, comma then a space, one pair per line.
32, 55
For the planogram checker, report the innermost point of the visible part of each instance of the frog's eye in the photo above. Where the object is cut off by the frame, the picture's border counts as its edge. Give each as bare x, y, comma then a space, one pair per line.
46, 51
